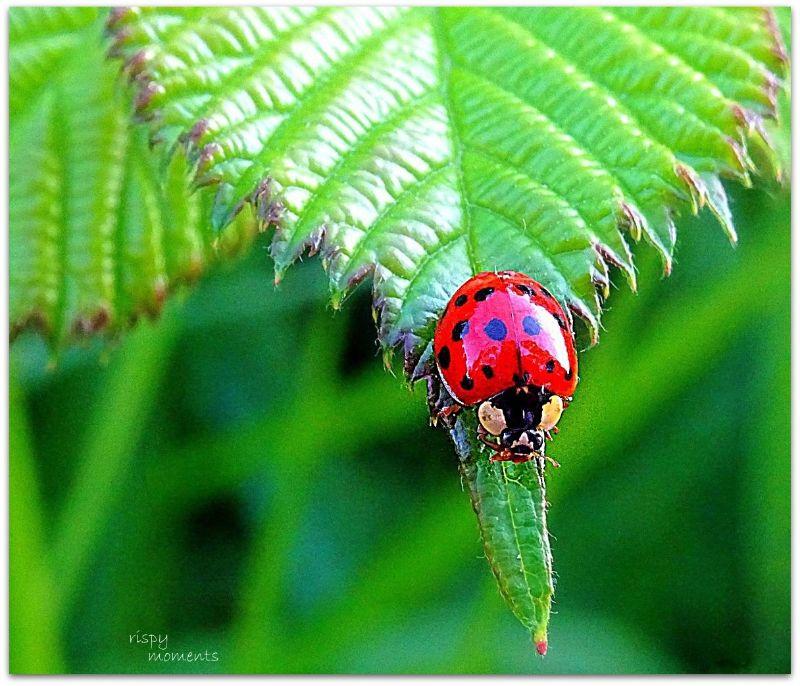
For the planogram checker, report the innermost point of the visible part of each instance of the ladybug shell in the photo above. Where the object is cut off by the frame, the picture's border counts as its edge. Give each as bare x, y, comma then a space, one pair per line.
500, 330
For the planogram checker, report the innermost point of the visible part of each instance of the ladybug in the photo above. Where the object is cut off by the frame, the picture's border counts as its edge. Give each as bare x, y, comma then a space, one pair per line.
505, 345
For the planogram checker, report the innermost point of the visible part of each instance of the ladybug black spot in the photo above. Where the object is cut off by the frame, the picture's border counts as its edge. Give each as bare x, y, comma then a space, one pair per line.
444, 357
467, 383
496, 329
483, 293
568, 375
550, 365
522, 289
488, 372
460, 330
460, 300
531, 326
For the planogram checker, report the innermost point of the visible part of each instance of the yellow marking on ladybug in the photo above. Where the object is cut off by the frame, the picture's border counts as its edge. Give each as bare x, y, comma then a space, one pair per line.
491, 418
551, 413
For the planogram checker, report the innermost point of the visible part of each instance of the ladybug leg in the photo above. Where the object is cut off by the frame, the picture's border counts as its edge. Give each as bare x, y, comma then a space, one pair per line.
483, 438
549, 433
508, 456
446, 413
489, 443
498, 453
551, 461
503, 456
450, 411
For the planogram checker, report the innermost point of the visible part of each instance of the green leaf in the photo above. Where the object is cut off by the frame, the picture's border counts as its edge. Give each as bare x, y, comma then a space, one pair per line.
509, 500
98, 234
417, 145
34, 642
422, 145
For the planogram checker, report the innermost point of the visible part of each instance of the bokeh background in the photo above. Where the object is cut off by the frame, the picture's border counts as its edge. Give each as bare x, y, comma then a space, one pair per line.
246, 478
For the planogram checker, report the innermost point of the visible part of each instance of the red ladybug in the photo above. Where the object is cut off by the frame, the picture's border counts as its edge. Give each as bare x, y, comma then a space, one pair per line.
505, 345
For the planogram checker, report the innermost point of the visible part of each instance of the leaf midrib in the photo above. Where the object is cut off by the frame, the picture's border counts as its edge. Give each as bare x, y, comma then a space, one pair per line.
445, 67
507, 497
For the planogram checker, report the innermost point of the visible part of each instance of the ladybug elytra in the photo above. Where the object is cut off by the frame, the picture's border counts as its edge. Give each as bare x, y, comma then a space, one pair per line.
505, 345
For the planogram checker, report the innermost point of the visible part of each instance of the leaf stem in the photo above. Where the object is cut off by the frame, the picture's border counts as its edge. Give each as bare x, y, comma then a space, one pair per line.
109, 447
35, 646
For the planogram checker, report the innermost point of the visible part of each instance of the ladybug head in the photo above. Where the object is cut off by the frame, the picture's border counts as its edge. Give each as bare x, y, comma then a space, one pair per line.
519, 418
522, 442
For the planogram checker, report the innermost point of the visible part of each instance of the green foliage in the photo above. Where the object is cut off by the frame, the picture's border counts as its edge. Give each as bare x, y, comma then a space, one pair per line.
418, 146
424, 145
509, 500
98, 236
36, 643
351, 547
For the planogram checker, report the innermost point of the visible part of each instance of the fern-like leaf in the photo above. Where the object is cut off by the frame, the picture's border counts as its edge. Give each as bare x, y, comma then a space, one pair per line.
98, 234
422, 145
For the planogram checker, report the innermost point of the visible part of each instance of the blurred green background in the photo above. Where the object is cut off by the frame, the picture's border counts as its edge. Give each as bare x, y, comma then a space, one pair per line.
246, 478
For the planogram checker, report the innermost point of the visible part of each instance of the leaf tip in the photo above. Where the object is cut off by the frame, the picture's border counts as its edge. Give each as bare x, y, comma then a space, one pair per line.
626, 265
355, 277
692, 182
279, 269
198, 130
205, 158
144, 97
778, 47
579, 309
387, 353
269, 208
93, 322
632, 220
118, 16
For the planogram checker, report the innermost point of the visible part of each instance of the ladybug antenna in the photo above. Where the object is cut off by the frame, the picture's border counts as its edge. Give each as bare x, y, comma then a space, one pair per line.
553, 462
